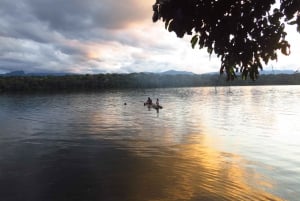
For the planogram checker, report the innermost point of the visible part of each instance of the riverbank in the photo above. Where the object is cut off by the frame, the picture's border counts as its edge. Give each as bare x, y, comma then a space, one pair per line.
134, 80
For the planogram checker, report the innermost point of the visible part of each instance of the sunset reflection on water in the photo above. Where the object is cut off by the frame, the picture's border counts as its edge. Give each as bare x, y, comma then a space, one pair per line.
194, 170
205, 144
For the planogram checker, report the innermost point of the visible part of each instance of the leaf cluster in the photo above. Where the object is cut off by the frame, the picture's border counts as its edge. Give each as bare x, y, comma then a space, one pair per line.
244, 34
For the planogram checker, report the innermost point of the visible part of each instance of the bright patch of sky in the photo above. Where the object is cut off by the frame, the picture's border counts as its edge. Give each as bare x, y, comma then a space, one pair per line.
101, 36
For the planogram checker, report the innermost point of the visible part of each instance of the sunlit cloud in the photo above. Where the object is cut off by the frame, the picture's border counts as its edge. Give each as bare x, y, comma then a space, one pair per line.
99, 36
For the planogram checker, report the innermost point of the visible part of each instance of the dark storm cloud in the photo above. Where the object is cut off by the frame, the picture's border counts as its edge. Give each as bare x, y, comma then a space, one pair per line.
42, 33
84, 36
88, 18
78, 17
15, 64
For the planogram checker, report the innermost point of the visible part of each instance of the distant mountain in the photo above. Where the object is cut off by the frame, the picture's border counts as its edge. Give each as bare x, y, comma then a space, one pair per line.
169, 72
22, 73
263, 72
48, 74
268, 72
174, 72
15, 73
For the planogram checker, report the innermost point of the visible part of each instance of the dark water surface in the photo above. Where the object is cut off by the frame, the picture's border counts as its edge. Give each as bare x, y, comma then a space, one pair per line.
238, 143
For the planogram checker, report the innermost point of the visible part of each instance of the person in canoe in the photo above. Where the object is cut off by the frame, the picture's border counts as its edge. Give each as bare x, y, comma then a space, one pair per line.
148, 102
157, 102
157, 105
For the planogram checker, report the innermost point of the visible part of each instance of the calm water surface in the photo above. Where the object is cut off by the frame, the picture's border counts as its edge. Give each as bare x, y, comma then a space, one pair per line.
237, 143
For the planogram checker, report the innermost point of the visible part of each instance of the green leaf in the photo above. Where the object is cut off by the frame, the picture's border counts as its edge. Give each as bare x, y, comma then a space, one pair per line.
292, 22
209, 50
155, 16
171, 26
194, 40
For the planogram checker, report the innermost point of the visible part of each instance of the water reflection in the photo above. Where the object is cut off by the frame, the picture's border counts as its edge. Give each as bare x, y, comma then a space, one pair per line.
194, 170
204, 145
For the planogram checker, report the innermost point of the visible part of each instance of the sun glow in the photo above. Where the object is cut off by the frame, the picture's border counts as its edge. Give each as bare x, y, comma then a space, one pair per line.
92, 54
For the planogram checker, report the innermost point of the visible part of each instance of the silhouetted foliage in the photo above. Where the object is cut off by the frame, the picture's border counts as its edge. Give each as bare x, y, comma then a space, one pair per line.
244, 33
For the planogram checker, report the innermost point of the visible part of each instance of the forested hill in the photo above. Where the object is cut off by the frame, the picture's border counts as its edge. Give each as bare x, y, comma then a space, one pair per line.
134, 80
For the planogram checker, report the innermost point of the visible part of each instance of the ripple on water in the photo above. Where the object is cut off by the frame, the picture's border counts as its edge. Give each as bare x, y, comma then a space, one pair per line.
204, 145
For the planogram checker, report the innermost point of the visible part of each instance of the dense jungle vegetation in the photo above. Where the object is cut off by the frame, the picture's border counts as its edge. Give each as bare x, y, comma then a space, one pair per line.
134, 80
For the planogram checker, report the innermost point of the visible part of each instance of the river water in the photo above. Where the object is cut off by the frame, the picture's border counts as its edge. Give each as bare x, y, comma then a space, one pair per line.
224, 143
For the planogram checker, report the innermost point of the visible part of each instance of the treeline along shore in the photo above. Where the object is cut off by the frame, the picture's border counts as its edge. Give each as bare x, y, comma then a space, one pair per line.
133, 80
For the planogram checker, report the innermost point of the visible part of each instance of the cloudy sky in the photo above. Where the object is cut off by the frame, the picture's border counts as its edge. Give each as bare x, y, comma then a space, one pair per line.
100, 36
